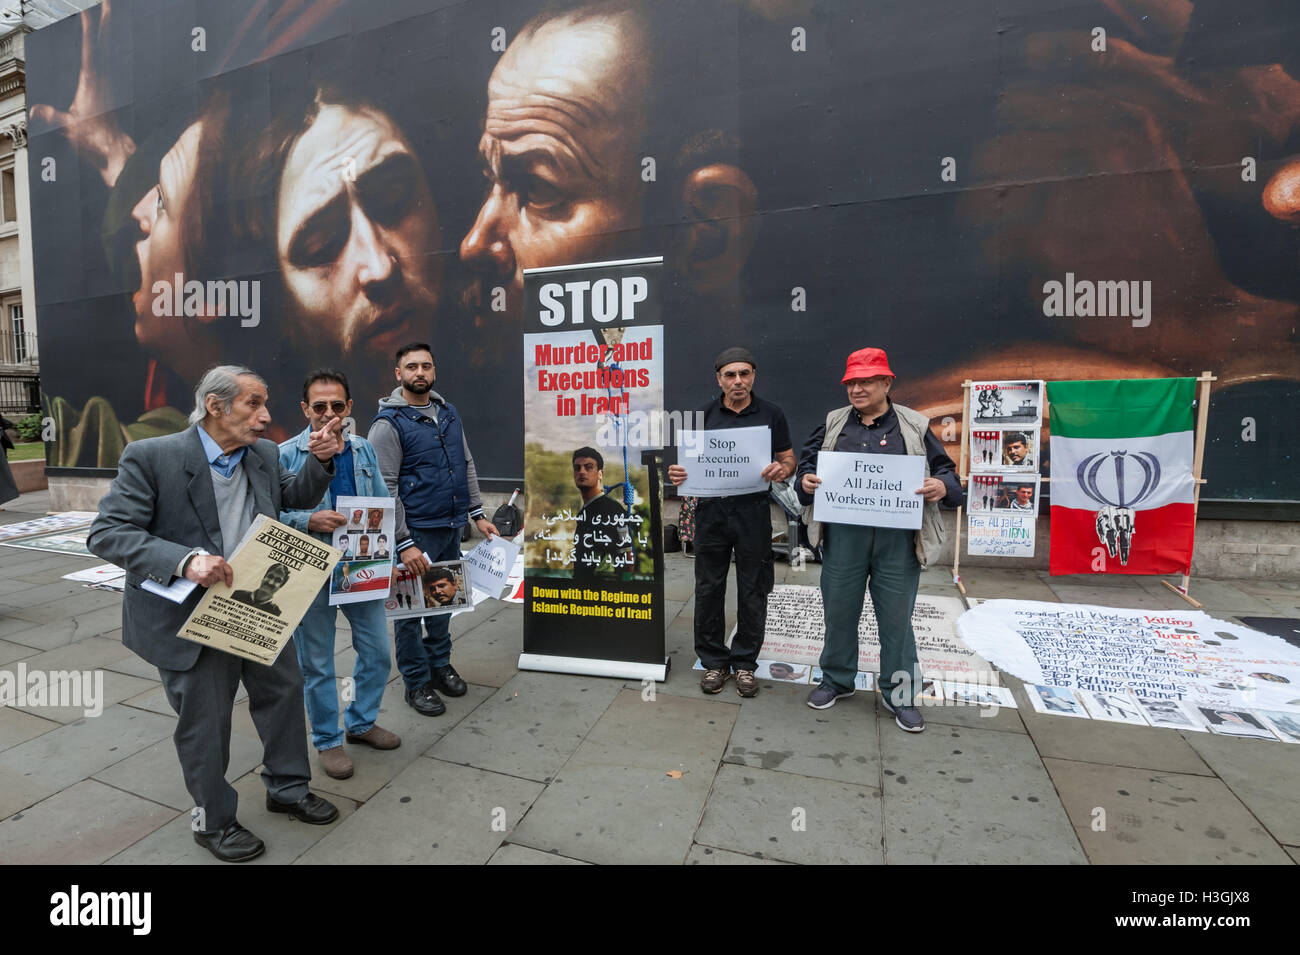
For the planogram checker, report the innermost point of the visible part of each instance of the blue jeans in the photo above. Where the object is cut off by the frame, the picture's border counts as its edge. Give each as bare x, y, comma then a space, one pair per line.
418, 657
314, 639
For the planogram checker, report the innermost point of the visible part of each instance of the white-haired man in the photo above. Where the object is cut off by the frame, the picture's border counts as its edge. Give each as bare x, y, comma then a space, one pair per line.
177, 508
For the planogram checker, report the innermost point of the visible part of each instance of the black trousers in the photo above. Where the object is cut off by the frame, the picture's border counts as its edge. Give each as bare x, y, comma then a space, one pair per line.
203, 698
724, 525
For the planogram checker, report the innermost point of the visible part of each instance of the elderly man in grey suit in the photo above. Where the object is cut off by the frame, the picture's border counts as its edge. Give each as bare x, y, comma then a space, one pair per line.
177, 508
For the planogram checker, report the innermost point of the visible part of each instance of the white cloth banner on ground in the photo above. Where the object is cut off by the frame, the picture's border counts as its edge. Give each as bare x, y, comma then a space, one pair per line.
796, 631
724, 462
1157, 654
66, 520
873, 490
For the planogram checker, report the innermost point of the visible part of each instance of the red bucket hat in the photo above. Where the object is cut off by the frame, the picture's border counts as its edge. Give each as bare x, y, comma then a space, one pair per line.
866, 363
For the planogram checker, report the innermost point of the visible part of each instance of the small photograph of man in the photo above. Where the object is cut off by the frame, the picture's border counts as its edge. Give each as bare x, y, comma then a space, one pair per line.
374, 519
276, 576
354, 522
444, 586
783, 672
1017, 449
602, 541
363, 546
1016, 496
381, 548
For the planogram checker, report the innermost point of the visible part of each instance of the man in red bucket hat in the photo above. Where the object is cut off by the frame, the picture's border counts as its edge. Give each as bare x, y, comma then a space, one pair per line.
887, 560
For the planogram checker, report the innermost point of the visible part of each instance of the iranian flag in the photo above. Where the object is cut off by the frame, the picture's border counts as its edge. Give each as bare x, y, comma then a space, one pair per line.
1122, 487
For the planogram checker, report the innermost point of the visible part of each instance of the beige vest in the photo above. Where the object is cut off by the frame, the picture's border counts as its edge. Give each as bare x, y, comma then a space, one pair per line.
913, 425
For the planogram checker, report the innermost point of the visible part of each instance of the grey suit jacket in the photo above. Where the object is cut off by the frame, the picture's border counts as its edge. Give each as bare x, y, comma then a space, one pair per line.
160, 507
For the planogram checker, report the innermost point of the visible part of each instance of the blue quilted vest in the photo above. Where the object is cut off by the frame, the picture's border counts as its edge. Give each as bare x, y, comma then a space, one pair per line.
433, 482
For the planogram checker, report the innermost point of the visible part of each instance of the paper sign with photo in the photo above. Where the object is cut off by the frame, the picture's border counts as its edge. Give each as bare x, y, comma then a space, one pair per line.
445, 587
367, 543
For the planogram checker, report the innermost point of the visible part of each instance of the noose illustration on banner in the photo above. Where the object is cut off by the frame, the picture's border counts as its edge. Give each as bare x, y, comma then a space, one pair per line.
607, 339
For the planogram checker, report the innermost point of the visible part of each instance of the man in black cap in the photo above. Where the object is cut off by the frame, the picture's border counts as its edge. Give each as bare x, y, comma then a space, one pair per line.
741, 522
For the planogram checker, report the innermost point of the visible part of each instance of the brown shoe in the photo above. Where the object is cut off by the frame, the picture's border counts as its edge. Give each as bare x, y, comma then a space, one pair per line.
746, 685
336, 763
378, 737
713, 680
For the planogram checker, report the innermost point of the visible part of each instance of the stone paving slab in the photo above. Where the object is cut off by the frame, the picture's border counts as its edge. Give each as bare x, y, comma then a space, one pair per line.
975, 797
84, 824
1263, 774
12, 627
1294, 853
133, 665
614, 801
18, 727
1219, 597
757, 812
995, 582
531, 726
12, 652
65, 756
432, 813
286, 839
786, 734
86, 654
154, 773
115, 687
710, 855
1004, 718
61, 632
1121, 744
1131, 596
489, 654
375, 769
1154, 818
510, 854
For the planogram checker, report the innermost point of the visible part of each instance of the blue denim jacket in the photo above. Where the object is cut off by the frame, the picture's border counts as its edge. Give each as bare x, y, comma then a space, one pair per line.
365, 475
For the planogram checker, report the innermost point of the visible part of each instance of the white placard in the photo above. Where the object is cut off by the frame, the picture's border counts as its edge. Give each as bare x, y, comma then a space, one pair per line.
492, 560
874, 490
724, 462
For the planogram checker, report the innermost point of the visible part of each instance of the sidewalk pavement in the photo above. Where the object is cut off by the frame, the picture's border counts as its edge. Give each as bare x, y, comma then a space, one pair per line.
539, 768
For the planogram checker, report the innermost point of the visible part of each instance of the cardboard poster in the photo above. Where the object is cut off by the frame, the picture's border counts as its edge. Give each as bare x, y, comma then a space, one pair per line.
278, 573
367, 542
446, 587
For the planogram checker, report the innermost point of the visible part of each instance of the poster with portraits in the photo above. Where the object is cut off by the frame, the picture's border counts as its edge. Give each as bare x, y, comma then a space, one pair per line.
367, 542
1001, 514
445, 587
593, 410
196, 206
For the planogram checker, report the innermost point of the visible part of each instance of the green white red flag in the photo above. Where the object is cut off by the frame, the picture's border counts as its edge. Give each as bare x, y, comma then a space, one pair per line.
1122, 488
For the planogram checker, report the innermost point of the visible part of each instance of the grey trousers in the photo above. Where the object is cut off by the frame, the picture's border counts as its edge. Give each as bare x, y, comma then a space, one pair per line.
203, 698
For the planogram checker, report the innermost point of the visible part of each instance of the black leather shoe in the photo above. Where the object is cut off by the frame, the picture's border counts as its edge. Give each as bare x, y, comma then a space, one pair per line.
449, 681
231, 844
426, 701
310, 808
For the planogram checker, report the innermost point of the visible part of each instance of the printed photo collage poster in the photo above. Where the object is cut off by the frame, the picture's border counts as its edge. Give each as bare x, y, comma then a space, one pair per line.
445, 587
593, 403
1003, 489
367, 542
1179, 669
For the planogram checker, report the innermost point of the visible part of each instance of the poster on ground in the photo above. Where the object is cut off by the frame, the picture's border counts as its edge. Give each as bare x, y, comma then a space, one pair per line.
593, 394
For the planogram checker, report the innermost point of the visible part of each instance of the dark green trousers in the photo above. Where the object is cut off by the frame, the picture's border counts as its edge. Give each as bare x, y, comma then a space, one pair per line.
883, 560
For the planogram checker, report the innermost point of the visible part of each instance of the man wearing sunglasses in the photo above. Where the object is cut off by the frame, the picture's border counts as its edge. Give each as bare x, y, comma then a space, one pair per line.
741, 523
326, 397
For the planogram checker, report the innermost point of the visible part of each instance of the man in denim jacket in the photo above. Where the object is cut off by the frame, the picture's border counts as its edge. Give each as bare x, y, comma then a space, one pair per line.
326, 396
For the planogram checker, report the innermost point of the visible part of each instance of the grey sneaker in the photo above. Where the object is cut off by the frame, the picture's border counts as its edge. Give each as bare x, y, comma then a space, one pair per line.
823, 696
907, 717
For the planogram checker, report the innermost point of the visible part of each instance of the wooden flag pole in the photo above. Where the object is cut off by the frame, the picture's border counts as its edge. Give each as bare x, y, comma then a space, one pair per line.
1202, 419
964, 478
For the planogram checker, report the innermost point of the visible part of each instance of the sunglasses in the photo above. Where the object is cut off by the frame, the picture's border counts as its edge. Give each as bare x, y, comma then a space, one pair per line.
338, 407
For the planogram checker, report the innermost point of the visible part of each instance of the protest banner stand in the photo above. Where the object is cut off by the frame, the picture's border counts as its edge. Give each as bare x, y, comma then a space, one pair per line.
1202, 422
593, 545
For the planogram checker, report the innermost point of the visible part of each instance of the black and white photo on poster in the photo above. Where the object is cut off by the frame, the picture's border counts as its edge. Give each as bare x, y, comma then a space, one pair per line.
1172, 714
1227, 722
1006, 405
1113, 707
1054, 700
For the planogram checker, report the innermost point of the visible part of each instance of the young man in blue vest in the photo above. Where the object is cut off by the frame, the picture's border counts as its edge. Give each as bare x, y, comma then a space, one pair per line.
425, 461
326, 397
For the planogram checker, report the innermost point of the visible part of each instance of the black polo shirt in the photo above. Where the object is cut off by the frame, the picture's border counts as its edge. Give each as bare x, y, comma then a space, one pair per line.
757, 414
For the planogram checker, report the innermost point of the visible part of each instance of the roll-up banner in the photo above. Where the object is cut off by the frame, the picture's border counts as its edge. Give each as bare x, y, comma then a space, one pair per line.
593, 408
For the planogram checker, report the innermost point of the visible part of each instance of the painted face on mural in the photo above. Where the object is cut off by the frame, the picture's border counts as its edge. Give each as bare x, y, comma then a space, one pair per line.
160, 214
356, 235
565, 118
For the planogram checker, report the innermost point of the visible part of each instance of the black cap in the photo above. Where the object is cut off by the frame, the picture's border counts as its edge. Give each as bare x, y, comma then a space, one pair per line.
728, 355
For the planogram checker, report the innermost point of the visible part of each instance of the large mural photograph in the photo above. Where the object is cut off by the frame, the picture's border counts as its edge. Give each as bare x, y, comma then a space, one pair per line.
1014, 190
